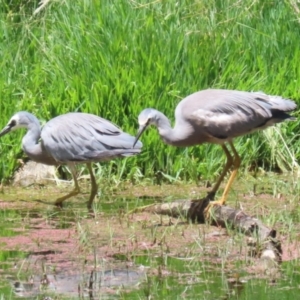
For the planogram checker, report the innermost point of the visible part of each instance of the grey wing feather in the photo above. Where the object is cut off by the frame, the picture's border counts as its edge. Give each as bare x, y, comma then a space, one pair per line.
225, 114
86, 137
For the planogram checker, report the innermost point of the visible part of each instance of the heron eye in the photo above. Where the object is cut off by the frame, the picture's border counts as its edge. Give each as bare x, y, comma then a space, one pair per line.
12, 123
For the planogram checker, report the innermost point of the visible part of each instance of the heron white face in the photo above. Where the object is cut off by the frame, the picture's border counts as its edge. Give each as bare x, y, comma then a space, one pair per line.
16, 122
146, 117
13, 124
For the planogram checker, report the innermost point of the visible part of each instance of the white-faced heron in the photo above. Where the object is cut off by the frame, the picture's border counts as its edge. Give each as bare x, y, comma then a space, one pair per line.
217, 116
70, 139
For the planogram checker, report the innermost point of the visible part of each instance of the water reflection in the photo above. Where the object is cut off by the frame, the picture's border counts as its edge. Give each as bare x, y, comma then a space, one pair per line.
82, 285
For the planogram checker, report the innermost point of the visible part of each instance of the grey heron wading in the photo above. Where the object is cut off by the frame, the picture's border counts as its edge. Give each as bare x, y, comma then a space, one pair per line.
218, 116
70, 139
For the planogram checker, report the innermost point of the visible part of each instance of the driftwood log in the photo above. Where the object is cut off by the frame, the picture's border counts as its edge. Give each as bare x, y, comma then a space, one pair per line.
262, 240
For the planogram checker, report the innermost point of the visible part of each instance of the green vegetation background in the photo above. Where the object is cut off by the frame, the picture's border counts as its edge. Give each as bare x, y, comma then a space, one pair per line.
115, 57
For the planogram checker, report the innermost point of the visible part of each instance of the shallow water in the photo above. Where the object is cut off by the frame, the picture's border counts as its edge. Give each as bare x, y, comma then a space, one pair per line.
67, 254
179, 282
36, 273
75, 285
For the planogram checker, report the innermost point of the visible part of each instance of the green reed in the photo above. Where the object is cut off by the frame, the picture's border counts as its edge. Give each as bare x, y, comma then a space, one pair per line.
114, 58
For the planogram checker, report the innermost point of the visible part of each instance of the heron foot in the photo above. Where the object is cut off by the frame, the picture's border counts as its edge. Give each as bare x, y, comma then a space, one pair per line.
211, 204
46, 202
59, 201
211, 195
58, 204
140, 209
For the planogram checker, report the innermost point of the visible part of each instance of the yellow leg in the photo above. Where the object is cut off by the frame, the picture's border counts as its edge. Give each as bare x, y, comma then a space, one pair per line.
94, 188
229, 163
236, 164
75, 191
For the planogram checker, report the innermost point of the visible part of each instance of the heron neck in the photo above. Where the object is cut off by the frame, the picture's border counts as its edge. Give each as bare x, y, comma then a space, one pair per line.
167, 133
30, 142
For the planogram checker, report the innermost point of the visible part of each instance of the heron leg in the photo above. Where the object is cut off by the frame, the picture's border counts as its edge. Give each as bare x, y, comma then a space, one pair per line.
94, 188
76, 189
236, 164
227, 166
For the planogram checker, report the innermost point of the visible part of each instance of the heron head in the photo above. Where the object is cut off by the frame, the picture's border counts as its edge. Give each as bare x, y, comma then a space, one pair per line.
147, 117
21, 119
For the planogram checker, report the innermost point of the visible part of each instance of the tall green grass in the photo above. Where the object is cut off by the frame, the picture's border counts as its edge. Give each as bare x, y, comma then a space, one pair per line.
114, 58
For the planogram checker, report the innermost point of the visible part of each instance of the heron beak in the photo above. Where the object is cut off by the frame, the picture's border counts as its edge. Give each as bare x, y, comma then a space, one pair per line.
5, 130
140, 132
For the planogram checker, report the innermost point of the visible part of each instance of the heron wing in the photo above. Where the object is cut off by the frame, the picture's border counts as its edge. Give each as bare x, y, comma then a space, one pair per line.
86, 137
225, 114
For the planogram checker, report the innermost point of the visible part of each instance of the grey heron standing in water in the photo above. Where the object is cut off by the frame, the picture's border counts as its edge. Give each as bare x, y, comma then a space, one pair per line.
70, 139
218, 116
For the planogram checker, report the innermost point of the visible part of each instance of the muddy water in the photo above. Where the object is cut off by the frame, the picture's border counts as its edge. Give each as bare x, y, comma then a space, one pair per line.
50, 260
67, 254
